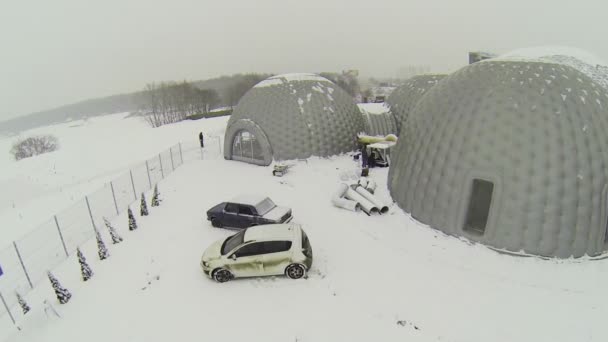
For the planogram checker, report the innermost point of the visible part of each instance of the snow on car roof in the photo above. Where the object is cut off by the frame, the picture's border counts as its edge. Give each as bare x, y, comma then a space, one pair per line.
271, 232
249, 199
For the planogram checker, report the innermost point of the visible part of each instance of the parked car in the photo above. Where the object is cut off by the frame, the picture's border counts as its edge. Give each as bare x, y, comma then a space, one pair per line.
260, 251
247, 211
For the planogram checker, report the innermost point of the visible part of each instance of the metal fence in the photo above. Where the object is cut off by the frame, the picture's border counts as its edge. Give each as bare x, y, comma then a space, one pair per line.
26, 261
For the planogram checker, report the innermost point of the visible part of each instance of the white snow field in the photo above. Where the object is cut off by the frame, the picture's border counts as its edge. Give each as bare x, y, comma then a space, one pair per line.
91, 153
374, 278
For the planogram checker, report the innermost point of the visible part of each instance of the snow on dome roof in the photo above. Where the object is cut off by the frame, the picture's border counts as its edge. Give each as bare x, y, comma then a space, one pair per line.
373, 108
285, 78
581, 60
548, 51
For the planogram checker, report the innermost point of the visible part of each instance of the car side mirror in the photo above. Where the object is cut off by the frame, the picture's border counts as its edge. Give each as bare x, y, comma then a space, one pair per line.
233, 257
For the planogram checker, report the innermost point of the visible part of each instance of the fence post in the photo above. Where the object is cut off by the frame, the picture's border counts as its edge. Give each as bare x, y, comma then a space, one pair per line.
10, 314
114, 197
149, 179
23, 265
86, 198
171, 154
133, 185
181, 156
65, 249
162, 172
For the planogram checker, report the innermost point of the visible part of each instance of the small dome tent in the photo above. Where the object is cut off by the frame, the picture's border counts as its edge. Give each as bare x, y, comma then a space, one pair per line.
403, 99
292, 116
377, 119
512, 154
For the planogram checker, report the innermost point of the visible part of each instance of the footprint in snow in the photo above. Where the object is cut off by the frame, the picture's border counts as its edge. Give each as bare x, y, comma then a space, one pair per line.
155, 278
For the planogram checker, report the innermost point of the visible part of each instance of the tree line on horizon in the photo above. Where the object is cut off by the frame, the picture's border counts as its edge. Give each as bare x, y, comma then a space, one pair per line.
171, 98
169, 102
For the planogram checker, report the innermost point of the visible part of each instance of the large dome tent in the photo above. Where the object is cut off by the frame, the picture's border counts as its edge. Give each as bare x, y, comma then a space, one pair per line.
292, 116
511, 153
403, 99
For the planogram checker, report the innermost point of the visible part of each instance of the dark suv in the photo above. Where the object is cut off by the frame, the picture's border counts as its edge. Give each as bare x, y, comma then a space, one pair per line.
247, 211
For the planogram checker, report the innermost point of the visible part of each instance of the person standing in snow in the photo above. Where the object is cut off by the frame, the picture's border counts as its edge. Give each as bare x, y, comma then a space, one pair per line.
200, 138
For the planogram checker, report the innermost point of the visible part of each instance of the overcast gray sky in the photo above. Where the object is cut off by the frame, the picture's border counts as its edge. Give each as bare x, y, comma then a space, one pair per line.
62, 51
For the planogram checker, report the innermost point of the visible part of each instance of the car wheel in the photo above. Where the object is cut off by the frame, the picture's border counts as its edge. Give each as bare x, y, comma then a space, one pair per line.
216, 222
295, 271
222, 275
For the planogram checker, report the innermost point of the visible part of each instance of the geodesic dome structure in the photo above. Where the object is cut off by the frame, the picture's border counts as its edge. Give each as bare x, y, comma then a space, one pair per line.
513, 154
292, 116
403, 99
377, 119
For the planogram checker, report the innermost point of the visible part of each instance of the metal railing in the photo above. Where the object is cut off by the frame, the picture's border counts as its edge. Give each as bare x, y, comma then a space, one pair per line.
26, 261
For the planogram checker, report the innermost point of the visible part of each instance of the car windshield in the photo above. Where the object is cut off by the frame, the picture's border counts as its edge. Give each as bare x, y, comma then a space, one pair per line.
233, 241
265, 206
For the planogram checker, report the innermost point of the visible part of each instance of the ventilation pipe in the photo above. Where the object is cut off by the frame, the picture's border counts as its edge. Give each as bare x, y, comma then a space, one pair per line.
372, 199
367, 206
344, 203
367, 183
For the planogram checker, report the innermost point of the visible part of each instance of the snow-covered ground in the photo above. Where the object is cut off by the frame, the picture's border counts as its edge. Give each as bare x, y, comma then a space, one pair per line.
92, 152
378, 278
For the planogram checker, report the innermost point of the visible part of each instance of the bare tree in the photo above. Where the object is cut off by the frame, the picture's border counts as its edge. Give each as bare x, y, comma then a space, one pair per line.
235, 92
170, 102
34, 146
345, 80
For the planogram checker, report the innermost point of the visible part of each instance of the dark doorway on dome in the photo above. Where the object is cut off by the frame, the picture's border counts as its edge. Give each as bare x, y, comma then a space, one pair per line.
480, 202
245, 146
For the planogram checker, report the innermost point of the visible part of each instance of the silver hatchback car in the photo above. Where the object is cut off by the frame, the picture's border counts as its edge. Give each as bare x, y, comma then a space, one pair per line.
259, 251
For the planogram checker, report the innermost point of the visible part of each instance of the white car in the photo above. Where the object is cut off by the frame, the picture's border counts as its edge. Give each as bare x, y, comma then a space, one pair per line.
264, 250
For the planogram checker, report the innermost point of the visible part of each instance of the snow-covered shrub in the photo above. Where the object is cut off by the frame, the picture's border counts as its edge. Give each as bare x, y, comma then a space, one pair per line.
22, 303
85, 269
33, 146
155, 197
63, 295
102, 251
132, 222
115, 237
143, 209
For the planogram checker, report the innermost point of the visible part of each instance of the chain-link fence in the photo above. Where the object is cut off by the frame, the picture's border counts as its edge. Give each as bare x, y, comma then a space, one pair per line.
25, 262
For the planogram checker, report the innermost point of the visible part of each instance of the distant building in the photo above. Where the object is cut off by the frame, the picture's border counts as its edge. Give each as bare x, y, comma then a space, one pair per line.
478, 56
380, 94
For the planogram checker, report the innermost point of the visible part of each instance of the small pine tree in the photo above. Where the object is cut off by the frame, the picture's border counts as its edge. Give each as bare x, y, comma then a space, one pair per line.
132, 222
115, 237
143, 210
102, 251
63, 295
85, 269
155, 197
22, 303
